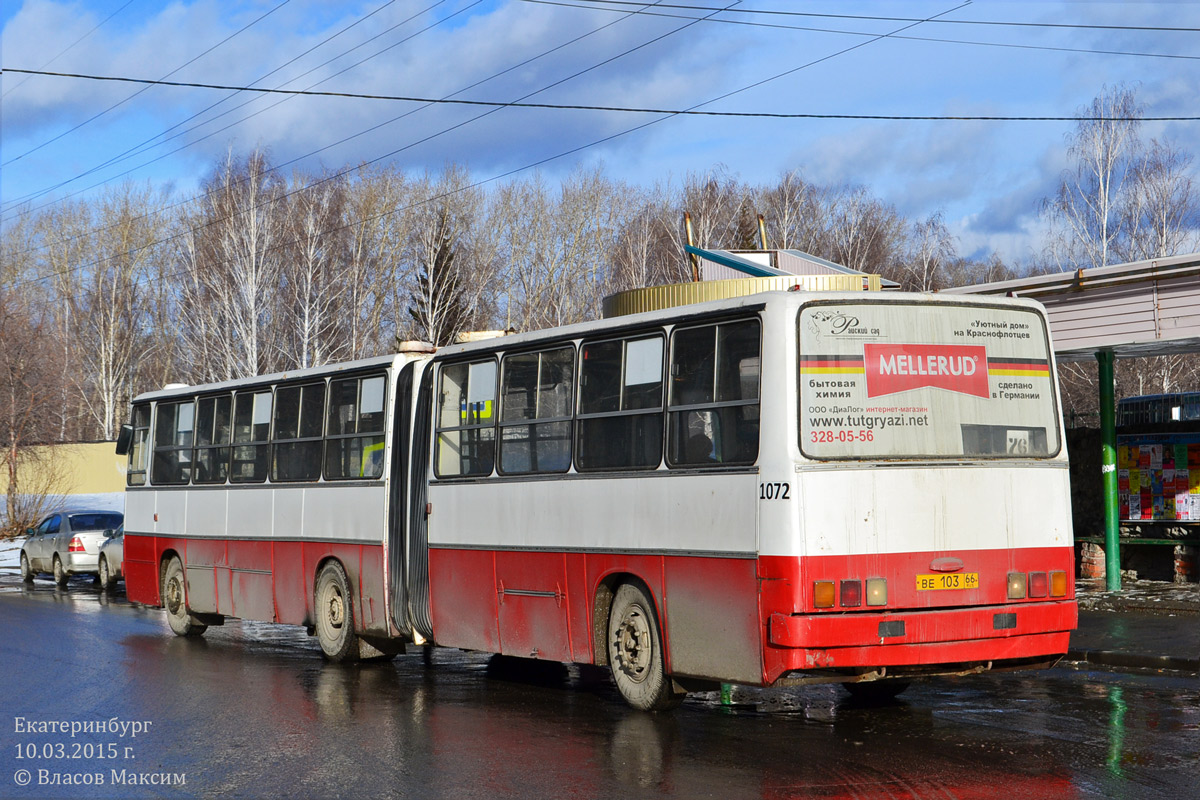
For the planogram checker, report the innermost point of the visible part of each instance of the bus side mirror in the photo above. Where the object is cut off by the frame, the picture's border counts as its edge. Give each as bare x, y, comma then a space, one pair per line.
124, 440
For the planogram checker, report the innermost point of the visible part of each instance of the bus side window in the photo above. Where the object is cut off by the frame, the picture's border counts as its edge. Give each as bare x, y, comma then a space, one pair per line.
354, 434
713, 404
296, 440
213, 426
466, 419
251, 427
140, 450
620, 404
173, 431
535, 421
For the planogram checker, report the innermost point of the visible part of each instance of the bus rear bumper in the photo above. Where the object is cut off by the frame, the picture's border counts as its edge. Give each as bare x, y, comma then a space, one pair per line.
905, 638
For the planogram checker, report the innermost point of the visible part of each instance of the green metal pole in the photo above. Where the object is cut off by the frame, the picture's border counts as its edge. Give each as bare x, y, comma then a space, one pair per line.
1108, 471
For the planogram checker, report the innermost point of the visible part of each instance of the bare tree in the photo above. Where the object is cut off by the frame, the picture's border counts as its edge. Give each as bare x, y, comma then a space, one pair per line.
232, 257
793, 214
647, 251
380, 229
555, 248
930, 252
1103, 146
1161, 210
313, 315
864, 233
30, 380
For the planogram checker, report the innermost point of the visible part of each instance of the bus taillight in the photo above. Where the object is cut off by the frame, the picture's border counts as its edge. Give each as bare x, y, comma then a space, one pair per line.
1016, 586
851, 594
1038, 586
877, 591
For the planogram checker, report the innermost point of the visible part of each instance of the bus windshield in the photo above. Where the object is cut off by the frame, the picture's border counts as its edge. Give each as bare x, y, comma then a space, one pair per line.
924, 380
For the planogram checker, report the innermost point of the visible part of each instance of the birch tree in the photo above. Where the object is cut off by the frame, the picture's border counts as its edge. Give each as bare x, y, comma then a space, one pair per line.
1103, 147
232, 258
314, 315
930, 251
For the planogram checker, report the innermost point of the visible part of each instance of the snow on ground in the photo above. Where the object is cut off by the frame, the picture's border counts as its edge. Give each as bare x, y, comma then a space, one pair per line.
10, 553
10, 549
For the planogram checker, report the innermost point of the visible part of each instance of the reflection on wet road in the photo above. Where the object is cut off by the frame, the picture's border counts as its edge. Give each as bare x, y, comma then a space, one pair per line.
251, 710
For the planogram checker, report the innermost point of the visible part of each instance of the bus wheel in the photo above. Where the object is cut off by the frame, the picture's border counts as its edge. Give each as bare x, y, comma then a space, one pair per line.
875, 691
61, 576
175, 601
335, 614
635, 652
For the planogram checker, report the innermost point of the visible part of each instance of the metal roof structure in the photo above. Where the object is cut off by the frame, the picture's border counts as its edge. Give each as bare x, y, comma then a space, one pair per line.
1143, 308
716, 265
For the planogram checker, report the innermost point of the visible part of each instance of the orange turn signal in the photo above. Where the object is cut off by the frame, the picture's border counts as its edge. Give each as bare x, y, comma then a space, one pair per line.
1058, 584
823, 594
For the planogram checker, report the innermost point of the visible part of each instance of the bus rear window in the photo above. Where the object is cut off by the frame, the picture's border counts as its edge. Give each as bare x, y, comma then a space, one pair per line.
925, 380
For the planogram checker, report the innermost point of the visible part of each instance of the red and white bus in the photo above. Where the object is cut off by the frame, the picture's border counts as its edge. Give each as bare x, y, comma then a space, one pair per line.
771, 490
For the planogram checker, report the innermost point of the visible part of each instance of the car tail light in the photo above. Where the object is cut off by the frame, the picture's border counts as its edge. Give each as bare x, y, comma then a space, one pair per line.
1058, 584
823, 594
1038, 586
851, 594
76, 546
1016, 585
877, 591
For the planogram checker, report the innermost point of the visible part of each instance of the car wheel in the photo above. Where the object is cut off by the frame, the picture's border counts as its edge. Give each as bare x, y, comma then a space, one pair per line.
107, 583
60, 575
26, 571
334, 606
635, 652
174, 594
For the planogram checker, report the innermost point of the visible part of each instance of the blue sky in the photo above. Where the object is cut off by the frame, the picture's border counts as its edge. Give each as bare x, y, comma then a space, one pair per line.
986, 177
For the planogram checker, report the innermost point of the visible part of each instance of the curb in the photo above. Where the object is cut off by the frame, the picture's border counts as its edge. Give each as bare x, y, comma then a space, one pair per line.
1119, 660
1153, 606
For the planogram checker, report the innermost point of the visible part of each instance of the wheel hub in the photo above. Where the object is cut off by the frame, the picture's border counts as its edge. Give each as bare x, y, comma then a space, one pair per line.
335, 609
631, 641
174, 595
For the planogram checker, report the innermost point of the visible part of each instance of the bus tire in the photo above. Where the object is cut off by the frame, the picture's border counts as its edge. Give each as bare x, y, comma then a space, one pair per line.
26, 570
875, 691
61, 576
334, 606
174, 594
635, 652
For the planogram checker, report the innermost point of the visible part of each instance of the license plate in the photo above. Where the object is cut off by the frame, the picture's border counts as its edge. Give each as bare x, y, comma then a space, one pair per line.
957, 580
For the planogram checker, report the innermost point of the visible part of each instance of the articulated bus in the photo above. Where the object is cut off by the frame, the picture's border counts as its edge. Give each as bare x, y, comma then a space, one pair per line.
773, 490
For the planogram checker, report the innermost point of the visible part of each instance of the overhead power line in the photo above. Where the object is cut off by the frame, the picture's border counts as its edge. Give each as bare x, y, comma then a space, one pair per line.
621, 109
491, 110
72, 45
812, 14
146, 145
842, 32
517, 170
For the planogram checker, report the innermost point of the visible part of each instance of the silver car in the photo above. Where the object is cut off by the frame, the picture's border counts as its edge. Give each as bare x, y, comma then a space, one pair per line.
112, 558
67, 543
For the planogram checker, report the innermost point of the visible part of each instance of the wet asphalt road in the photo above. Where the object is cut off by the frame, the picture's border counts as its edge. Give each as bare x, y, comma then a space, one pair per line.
251, 710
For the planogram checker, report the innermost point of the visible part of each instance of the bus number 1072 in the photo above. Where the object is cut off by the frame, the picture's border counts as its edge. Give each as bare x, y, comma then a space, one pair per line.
774, 491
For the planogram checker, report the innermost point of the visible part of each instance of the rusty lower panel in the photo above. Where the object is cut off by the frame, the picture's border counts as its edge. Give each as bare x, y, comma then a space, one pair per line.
271, 581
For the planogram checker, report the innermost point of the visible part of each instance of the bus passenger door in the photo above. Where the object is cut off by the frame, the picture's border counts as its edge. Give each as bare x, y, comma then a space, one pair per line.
398, 498
419, 443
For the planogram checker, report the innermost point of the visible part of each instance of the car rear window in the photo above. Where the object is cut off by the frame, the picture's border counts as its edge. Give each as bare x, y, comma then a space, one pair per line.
95, 522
